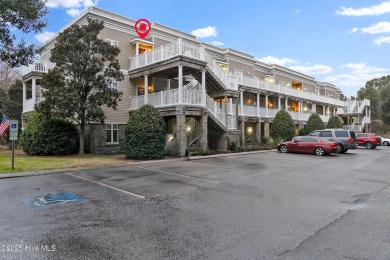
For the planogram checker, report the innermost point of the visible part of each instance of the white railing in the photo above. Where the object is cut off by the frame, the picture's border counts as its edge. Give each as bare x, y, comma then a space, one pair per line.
294, 115
228, 79
231, 109
263, 85
193, 84
192, 97
38, 67
214, 108
272, 112
164, 52
232, 122
247, 110
324, 118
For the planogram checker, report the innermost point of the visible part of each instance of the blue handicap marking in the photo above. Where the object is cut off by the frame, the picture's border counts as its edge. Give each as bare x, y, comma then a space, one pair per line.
61, 198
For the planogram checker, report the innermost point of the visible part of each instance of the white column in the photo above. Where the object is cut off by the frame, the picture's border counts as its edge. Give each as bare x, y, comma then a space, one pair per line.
279, 102
180, 83
34, 91
242, 102
314, 107
24, 92
367, 112
299, 109
266, 105
180, 41
258, 104
146, 89
168, 84
231, 105
204, 87
323, 110
137, 48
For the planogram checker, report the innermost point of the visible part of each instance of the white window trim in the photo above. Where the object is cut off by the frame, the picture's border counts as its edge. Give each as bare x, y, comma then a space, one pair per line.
113, 42
112, 132
111, 84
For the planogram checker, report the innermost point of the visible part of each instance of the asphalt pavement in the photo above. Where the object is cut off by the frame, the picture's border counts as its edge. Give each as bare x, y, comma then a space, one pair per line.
264, 205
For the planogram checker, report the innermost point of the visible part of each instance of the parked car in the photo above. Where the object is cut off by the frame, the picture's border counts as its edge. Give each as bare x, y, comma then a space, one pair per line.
345, 139
308, 144
384, 141
368, 140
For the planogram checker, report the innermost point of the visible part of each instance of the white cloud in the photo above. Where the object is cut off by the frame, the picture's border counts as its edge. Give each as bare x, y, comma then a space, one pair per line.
297, 11
381, 27
371, 10
312, 70
357, 76
205, 32
217, 43
74, 12
273, 60
381, 40
74, 7
44, 36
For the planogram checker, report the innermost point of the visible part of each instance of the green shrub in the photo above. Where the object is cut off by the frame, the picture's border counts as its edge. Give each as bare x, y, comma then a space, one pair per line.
49, 136
231, 145
314, 123
303, 131
283, 126
145, 134
334, 122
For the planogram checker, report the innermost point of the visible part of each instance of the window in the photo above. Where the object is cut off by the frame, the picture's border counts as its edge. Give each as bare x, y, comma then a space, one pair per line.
112, 133
362, 135
112, 85
112, 42
326, 134
315, 133
239, 74
341, 133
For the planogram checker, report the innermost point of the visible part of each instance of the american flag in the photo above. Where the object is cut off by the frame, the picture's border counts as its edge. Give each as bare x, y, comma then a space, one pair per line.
4, 125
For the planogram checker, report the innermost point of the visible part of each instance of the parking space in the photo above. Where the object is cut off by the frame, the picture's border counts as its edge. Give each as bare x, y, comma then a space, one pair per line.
260, 205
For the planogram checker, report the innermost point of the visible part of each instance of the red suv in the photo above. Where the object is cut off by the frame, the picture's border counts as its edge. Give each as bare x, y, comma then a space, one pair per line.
368, 140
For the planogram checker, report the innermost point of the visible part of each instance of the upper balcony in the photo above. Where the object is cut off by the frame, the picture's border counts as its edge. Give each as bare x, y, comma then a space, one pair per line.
40, 67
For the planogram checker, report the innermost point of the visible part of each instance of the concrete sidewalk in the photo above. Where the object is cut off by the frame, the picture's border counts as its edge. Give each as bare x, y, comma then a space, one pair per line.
44, 172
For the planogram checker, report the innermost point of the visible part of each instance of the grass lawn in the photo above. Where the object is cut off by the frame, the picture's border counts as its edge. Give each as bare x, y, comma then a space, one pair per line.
34, 163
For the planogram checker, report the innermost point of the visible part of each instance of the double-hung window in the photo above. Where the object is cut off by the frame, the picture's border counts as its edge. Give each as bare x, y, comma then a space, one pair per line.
112, 85
112, 42
112, 133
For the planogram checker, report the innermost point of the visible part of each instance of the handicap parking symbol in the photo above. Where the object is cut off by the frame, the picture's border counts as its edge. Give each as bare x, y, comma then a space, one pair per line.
61, 198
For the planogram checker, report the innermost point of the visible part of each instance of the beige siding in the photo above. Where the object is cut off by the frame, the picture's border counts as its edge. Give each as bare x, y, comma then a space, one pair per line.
121, 115
124, 44
259, 74
247, 69
280, 78
159, 42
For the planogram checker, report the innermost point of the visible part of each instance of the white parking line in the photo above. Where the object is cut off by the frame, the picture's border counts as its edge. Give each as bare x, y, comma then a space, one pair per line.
177, 174
108, 186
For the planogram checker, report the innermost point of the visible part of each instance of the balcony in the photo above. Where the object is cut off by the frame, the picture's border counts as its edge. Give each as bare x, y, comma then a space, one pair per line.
38, 67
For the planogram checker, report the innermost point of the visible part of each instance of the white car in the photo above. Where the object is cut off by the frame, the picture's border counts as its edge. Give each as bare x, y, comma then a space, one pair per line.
385, 141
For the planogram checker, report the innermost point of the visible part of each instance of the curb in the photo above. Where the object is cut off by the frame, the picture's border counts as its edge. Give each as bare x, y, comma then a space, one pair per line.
108, 166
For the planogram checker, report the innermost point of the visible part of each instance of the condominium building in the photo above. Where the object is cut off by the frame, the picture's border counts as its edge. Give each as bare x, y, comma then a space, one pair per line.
204, 93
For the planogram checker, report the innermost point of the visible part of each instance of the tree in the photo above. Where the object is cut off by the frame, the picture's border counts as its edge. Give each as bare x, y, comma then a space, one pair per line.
77, 87
14, 101
283, 126
313, 123
145, 134
385, 104
8, 75
26, 16
334, 122
49, 136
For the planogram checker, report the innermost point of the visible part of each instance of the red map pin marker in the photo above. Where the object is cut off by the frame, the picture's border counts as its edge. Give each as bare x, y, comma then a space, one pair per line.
142, 27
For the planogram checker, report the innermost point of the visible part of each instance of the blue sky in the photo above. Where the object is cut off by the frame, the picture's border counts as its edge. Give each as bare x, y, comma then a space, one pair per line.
344, 42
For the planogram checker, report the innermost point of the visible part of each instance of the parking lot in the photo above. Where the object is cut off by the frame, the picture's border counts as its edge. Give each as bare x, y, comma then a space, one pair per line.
264, 205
